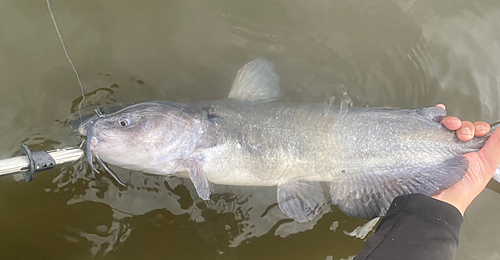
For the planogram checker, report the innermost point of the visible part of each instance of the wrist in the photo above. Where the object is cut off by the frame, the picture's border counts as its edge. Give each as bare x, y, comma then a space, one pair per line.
458, 201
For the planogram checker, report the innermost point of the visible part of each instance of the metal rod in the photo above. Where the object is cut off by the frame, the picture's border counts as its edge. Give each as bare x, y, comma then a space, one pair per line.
21, 163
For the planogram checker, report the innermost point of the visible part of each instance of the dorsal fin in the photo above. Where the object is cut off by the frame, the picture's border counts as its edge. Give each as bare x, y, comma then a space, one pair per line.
256, 81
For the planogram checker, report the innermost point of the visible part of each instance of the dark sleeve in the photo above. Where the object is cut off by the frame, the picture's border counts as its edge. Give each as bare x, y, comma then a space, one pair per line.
415, 227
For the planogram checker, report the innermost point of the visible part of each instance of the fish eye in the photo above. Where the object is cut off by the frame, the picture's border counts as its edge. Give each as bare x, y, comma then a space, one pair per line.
124, 121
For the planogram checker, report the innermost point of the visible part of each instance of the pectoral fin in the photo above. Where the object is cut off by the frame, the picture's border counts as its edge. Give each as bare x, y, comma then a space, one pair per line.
300, 199
256, 81
198, 177
369, 195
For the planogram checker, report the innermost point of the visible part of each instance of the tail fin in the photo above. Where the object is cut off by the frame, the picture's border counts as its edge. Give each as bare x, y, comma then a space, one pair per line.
494, 127
496, 177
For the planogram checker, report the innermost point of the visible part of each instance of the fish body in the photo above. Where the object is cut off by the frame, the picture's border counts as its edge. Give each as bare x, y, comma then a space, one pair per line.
251, 144
368, 156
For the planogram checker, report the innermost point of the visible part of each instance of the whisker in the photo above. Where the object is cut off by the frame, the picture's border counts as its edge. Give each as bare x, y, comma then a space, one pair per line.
89, 153
109, 171
94, 172
98, 113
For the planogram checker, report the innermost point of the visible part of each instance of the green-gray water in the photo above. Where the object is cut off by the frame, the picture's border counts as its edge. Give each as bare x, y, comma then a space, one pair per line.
398, 53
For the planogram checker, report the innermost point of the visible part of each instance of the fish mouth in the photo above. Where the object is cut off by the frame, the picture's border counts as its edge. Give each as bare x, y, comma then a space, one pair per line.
92, 141
87, 129
86, 126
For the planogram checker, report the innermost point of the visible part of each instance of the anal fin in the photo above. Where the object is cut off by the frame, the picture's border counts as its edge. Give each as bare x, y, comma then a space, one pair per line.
369, 195
299, 199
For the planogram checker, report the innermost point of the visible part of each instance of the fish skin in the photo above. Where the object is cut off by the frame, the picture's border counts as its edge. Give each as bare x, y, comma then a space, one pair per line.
266, 144
367, 155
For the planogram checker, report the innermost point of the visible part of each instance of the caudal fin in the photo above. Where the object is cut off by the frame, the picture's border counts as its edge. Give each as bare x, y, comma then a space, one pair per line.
496, 177
494, 127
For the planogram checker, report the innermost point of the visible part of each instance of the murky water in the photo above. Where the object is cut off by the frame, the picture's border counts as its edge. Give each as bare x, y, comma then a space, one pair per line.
402, 53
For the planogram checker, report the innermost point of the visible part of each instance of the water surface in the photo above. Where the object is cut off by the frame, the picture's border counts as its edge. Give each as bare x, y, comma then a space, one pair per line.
401, 53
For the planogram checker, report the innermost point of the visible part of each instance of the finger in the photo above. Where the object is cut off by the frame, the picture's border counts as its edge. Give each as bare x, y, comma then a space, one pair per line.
490, 153
441, 106
482, 128
466, 132
452, 123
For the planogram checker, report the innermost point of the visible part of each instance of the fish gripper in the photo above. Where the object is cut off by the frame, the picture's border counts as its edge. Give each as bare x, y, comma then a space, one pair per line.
38, 161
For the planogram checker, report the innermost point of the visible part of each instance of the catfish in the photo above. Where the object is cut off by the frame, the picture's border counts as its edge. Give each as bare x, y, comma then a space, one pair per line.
363, 157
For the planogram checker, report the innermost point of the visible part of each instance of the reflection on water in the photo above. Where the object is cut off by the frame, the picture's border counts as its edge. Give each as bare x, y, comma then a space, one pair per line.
233, 216
401, 53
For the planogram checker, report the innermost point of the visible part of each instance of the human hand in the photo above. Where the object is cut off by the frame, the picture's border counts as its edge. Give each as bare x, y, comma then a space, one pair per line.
482, 164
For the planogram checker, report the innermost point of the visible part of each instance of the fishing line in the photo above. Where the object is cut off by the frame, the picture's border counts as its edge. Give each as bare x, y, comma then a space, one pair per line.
71, 62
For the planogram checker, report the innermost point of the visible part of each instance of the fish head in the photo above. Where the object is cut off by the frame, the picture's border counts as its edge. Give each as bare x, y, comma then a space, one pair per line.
154, 137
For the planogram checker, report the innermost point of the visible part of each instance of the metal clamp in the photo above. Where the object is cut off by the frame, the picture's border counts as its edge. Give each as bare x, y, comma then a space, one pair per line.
38, 161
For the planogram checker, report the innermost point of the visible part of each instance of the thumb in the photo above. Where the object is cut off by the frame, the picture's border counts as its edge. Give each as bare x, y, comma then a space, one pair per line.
490, 153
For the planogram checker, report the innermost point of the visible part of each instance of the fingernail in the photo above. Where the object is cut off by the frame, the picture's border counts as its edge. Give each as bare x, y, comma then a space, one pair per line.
466, 131
480, 127
453, 119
